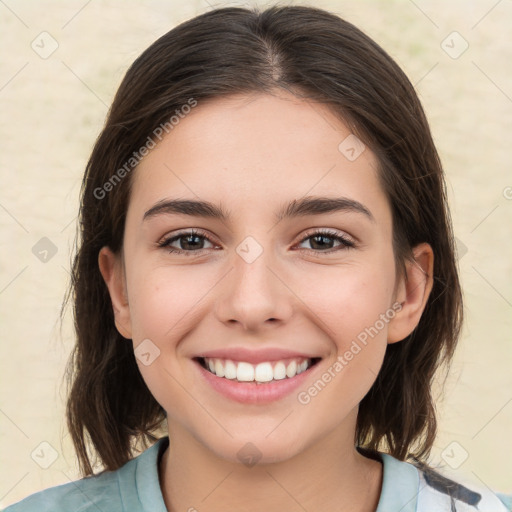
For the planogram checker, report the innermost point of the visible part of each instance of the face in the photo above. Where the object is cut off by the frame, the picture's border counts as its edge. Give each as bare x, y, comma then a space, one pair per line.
260, 288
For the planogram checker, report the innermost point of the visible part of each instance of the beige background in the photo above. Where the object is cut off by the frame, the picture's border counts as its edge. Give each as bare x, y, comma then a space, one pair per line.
53, 109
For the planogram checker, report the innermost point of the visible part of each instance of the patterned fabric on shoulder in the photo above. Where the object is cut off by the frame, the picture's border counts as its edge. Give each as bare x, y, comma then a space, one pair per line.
437, 492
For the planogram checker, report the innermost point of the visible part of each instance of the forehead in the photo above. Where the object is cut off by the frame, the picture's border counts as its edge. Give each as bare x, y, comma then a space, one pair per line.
249, 150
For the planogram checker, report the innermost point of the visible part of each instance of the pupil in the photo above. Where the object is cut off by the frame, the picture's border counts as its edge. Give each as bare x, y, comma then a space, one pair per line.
188, 239
322, 244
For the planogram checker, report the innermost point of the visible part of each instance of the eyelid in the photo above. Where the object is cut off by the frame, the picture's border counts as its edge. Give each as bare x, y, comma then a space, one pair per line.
184, 232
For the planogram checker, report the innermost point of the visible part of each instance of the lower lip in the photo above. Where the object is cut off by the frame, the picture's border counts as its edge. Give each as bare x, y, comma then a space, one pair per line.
251, 392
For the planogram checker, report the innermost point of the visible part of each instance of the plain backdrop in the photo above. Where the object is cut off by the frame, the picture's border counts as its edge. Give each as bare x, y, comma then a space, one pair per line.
61, 63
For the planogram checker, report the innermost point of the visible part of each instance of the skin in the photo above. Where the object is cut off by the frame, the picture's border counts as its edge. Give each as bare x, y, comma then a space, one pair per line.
253, 154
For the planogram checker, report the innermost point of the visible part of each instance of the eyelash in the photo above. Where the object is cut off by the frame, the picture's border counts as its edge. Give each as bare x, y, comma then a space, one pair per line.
345, 242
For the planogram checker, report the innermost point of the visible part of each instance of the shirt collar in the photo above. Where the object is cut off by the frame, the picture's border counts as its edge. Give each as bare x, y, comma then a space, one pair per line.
146, 480
400, 482
400, 485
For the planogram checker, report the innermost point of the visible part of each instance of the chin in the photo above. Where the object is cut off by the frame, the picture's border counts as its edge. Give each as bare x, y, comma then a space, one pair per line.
250, 450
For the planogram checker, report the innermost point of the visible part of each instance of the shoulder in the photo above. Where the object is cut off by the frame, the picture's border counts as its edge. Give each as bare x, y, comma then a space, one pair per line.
416, 487
84, 495
436, 489
133, 487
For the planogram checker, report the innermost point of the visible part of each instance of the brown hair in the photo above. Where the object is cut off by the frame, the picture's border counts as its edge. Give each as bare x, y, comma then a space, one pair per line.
317, 56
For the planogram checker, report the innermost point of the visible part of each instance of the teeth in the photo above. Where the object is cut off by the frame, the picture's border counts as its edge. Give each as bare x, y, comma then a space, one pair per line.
262, 372
291, 369
279, 371
230, 371
219, 368
244, 371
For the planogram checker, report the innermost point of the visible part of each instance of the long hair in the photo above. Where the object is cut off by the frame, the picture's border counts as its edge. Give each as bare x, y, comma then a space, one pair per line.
318, 56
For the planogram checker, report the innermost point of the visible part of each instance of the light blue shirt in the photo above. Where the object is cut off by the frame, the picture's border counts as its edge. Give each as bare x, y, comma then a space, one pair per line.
135, 488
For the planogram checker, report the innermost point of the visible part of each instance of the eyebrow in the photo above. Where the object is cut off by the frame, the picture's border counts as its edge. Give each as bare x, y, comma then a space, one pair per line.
309, 205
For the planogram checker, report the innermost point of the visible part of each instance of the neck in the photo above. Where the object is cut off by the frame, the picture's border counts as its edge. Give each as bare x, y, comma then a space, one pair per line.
330, 475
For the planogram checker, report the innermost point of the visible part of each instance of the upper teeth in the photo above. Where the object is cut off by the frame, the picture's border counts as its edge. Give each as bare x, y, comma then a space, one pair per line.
262, 372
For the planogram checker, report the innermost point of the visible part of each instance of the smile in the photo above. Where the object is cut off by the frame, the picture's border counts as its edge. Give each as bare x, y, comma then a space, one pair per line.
261, 383
263, 372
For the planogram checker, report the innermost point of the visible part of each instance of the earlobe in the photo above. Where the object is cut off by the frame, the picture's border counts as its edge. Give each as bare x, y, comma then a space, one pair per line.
413, 293
111, 268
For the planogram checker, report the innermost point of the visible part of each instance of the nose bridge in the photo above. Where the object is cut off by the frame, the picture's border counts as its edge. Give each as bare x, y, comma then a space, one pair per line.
254, 294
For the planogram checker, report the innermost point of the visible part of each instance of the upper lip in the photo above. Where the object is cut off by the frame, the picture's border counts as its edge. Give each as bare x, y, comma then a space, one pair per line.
255, 356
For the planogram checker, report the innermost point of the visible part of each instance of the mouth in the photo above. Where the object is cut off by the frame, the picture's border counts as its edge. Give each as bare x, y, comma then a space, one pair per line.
263, 373
255, 376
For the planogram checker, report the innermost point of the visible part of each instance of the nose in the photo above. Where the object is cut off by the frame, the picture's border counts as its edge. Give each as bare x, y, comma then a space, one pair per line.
255, 295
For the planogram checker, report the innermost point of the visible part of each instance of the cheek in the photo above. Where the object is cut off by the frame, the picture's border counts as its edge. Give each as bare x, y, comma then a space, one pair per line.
163, 309
354, 310
341, 300
346, 301
162, 303
352, 305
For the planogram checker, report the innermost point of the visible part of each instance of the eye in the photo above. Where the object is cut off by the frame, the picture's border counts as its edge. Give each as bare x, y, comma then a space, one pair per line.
319, 240
190, 242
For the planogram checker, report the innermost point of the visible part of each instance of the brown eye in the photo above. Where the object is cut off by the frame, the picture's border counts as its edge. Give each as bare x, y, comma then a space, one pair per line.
323, 240
190, 242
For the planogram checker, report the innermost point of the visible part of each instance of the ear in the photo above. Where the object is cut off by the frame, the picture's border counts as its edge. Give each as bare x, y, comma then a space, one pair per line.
112, 270
413, 293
